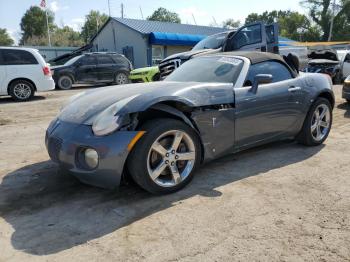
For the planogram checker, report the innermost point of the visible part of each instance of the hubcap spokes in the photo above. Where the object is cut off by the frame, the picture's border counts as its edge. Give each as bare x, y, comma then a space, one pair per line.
171, 158
22, 91
121, 79
320, 122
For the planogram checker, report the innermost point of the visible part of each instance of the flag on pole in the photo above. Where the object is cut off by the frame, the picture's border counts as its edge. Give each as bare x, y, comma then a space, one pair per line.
43, 3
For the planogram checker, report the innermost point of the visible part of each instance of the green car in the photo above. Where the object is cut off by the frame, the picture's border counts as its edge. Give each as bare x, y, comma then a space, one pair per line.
145, 74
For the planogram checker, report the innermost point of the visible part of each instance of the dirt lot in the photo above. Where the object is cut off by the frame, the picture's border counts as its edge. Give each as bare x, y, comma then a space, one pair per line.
282, 202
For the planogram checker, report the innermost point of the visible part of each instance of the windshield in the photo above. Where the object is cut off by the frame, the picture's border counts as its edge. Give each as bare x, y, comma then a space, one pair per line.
73, 60
216, 69
211, 42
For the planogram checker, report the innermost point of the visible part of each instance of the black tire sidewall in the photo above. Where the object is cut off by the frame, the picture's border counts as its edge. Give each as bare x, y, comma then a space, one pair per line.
137, 161
305, 136
16, 82
59, 82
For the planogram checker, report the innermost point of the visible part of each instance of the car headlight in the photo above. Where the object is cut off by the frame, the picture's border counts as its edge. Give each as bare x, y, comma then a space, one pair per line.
347, 80
108, 120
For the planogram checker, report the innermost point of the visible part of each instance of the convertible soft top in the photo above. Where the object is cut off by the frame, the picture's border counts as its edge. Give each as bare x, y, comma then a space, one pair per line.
290, 61
254, 57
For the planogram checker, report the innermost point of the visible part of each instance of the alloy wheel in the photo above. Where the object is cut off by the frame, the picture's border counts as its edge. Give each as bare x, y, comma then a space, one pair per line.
171, 158
22, 91
320, 122
121, 79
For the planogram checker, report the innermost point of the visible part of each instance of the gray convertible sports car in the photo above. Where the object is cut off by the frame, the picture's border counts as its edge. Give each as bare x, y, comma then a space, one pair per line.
160, 132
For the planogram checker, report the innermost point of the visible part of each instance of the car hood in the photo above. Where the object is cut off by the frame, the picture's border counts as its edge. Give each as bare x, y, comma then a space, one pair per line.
189, 54
58, 67
139, 97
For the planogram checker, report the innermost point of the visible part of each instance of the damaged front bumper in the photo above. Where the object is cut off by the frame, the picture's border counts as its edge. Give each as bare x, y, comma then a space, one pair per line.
66, 143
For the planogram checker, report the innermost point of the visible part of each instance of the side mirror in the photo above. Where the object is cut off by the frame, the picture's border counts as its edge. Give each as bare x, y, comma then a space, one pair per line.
260, 79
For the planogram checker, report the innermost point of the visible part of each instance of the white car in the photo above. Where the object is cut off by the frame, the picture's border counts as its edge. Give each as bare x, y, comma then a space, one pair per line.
23, 71
344, 58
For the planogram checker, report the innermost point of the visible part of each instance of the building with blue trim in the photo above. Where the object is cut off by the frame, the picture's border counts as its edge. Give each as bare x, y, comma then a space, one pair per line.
145, 42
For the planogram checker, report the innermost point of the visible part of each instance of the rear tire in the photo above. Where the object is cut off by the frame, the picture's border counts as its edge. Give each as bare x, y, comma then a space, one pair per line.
21, 90
317, 124
121, 78
173, 168
65, 82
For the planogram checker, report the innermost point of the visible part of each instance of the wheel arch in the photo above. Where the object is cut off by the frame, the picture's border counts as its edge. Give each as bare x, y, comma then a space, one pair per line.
69, 74
171, 109
20, 78
329, 96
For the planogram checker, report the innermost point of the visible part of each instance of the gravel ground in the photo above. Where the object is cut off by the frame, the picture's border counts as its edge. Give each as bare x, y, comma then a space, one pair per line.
281, 202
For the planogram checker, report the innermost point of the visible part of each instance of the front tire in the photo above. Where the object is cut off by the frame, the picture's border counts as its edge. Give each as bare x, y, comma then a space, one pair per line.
317, 124
165, 158
21, 90
65, 82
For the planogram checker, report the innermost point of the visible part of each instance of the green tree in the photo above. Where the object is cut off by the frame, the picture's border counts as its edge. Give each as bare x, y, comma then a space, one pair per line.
321, 13
33, 24
231, 23
291, 24
93, 21
66, 36
164, 15
5, 39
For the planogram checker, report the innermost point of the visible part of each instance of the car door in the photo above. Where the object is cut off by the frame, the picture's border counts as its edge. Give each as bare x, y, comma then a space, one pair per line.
250, 37
85, 69
346, 66
272, 38
2, 75
106, 68
274, 110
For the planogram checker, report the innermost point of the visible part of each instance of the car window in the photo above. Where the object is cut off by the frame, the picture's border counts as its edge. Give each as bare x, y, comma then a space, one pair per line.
347, 58
211, 42
18, 57
72, 60
87, 60
104, 60
246, 36
208, 69
278, 71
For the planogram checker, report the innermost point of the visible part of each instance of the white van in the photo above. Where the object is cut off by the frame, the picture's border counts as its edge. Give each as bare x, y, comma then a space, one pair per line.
23, 71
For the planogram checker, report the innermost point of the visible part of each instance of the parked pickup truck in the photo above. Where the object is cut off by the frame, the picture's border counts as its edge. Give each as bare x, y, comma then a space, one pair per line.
255, 37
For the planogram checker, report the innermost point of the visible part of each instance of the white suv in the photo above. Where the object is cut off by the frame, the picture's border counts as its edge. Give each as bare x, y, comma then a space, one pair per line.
23, 71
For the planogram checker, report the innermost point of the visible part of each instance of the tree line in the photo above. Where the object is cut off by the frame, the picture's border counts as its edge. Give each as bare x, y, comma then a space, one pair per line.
324, 20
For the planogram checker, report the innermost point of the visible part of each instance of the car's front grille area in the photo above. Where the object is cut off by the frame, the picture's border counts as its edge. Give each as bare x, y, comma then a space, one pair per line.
168, 67
54, 147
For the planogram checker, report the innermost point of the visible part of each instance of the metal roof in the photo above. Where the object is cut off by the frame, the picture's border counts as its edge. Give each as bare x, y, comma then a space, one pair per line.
147, 27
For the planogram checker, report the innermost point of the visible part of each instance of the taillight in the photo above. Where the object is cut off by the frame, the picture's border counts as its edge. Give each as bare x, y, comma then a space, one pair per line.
46, 71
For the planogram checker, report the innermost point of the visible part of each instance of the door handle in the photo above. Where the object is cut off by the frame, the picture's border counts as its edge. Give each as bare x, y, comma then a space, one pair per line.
294, 89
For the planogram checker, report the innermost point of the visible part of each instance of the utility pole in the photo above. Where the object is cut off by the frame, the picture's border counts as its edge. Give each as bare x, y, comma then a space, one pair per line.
141, 13
194, 19
216, 24
332, 22
122, 10
109, 8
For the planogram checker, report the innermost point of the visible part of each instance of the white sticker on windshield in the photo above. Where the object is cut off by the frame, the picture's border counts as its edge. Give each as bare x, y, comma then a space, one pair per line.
230, 60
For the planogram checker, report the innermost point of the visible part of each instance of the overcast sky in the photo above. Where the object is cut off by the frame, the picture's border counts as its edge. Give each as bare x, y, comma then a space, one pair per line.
72, 12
